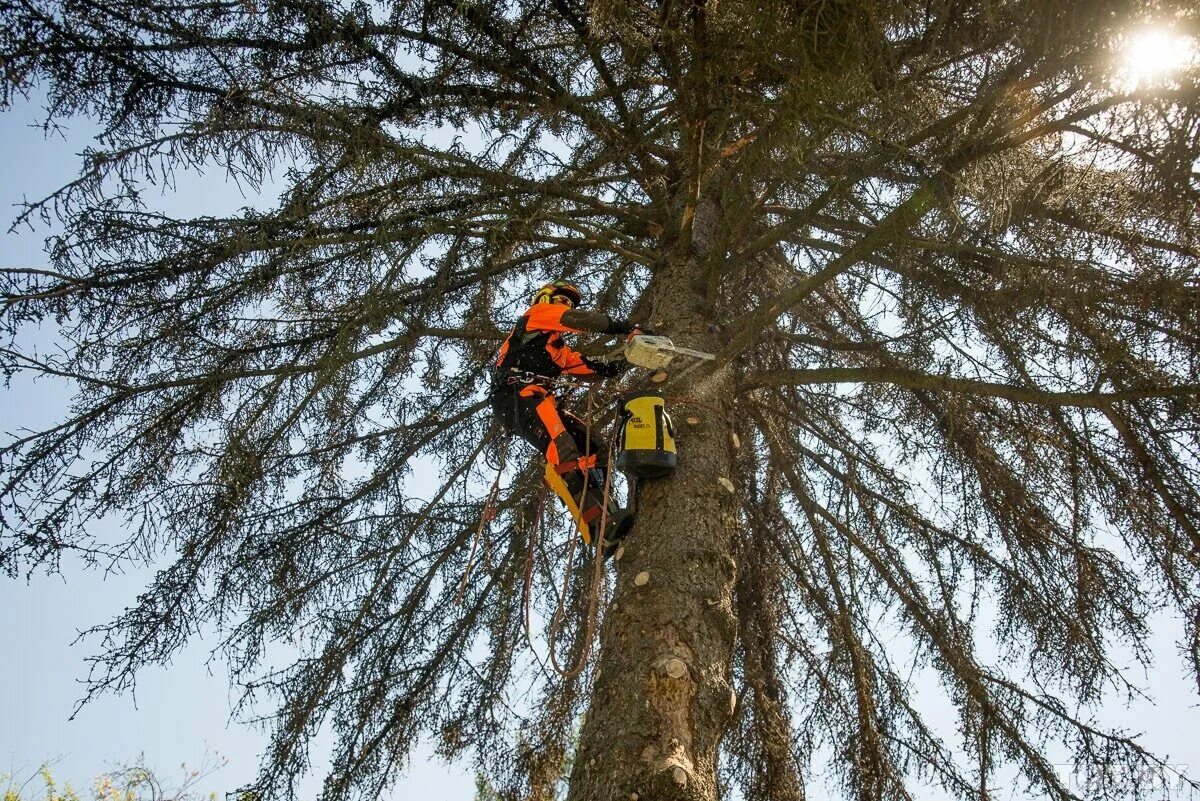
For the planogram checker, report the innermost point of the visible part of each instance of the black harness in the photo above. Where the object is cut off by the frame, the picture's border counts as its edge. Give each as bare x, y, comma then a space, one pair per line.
527, 361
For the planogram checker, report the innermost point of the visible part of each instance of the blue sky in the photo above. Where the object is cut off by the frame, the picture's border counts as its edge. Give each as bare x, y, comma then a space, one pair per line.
180, 712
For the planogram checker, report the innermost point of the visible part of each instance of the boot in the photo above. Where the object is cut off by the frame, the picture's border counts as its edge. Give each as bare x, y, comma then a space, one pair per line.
617, 521
585, 505
616, 528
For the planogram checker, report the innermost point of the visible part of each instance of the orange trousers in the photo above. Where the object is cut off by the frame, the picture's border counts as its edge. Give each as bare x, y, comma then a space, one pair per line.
533, 414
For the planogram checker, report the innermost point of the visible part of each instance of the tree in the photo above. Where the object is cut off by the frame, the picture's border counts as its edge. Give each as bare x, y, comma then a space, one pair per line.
945, 251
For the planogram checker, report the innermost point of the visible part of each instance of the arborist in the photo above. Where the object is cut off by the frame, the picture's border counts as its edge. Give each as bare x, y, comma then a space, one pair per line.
526, 374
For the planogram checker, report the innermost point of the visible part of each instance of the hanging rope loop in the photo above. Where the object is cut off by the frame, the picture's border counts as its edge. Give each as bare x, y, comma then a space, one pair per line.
485, 516
594, 588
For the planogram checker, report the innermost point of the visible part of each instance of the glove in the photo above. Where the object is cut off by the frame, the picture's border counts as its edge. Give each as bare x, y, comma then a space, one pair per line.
606, 369
638, 328
626, 327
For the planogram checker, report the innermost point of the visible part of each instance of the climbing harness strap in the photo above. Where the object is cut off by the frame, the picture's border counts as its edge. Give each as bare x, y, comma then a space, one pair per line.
526, 378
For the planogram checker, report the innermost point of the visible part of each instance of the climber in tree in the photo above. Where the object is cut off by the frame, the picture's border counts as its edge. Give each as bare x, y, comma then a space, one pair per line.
523, 399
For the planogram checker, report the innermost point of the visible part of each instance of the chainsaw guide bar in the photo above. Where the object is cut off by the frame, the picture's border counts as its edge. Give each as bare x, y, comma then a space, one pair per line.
655, 352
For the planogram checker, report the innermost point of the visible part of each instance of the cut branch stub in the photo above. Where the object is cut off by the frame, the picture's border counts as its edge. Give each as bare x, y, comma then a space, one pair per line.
675, 668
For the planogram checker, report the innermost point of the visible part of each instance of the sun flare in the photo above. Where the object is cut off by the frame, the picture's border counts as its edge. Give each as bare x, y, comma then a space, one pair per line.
1152, 55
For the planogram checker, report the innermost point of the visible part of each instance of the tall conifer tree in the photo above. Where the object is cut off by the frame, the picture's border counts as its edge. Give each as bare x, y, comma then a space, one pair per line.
946, 253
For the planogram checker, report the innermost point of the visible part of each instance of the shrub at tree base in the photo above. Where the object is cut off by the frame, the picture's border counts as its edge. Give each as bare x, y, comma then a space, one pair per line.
129, 783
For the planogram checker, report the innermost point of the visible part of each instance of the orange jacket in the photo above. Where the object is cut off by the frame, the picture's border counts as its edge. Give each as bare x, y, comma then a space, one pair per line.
536, 344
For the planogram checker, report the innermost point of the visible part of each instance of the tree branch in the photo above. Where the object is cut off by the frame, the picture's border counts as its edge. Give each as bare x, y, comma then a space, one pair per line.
914, 379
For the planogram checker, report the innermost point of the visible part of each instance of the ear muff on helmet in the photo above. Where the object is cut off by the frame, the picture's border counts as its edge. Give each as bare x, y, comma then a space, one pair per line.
564, 288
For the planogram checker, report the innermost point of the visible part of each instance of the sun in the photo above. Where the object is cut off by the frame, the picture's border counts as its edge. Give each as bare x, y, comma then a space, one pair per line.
1151, 55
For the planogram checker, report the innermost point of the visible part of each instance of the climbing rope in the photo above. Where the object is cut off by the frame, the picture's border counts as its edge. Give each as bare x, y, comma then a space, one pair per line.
527, 588
597, 560
593, 596
587, 449
594, 590
527, 596
485, 515
597, 573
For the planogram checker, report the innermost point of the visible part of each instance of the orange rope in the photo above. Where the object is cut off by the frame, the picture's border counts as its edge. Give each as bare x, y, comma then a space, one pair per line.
483, 519
587, 450
527, 589
597, 566
593, 591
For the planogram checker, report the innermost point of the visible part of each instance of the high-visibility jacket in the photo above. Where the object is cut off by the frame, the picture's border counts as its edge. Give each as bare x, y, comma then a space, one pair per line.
536, 344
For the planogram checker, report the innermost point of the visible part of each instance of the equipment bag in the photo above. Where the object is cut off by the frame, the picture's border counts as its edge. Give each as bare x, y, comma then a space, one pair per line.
647, 440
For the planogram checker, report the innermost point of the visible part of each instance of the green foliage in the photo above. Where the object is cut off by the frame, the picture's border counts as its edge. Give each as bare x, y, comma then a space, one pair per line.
484, 789
129, 783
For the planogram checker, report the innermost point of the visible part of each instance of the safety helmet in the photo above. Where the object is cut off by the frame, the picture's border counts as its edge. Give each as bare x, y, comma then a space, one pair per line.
564, 288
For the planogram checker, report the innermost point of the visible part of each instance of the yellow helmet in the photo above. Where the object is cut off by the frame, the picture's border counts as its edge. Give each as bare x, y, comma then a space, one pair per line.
564, 288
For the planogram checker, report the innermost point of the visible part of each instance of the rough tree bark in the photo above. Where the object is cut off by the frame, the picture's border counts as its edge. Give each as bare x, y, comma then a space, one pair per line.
663, 695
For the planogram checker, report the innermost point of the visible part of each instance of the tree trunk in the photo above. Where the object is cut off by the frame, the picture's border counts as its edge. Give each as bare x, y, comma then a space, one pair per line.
663, 696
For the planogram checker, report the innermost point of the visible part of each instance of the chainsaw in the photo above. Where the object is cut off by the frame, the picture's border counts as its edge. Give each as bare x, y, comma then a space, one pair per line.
656, 353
